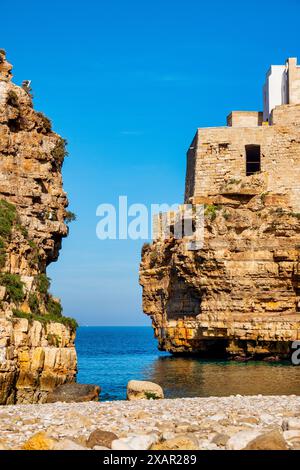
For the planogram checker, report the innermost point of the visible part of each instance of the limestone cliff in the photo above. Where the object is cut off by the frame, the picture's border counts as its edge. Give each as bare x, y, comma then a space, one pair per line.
36, 342
238, 294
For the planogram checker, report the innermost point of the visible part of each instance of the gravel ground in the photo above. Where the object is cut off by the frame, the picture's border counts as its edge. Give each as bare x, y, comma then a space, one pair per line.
196, 423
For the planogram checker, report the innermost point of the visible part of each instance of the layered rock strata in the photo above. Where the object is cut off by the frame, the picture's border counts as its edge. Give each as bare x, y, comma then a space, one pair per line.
238, 294
36, 342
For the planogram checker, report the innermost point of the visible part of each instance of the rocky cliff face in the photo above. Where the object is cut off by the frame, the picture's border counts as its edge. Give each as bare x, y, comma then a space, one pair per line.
36, 342
239, 294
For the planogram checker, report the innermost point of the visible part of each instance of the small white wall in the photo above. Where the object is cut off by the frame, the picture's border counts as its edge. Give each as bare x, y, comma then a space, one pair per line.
3, 92
274, 90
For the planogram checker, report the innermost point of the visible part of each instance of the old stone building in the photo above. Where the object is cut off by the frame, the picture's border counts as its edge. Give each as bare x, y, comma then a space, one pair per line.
250, 145
239, 293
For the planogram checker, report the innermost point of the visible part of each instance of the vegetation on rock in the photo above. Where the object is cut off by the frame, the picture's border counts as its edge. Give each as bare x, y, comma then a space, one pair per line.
44, 319
69, 217
210, 210
8, 215
42, 283
60, 152
14, 287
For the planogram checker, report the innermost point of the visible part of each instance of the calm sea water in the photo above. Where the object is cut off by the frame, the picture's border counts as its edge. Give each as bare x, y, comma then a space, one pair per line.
111, 356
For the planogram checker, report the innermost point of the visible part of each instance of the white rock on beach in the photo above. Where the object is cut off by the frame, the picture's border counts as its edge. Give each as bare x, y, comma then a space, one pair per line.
293, 424
139, 389
142, 442
240, 440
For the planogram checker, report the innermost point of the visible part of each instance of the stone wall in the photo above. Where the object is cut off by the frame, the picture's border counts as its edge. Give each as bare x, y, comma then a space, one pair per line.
219, 154
245, 119
293, 81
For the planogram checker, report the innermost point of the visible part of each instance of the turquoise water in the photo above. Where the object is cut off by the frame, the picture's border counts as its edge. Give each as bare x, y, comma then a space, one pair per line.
111, 356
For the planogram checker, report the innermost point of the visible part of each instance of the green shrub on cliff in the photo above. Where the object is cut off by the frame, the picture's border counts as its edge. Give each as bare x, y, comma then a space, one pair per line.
14, 287
34, 304
44, 319
210, 210
8, 215
54, 307
53, 340
60, 152
2, 253
69, 217
42, 283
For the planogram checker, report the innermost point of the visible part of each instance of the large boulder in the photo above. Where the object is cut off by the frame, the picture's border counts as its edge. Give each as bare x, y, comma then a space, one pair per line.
74, 392
139, 389
139, 442
101, 438
272, 440
39, 441
241, 439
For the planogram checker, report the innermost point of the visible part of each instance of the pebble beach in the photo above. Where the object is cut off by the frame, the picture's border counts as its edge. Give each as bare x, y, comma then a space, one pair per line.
214, 423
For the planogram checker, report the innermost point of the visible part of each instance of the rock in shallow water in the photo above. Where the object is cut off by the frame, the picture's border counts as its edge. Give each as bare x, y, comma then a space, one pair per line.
74, 392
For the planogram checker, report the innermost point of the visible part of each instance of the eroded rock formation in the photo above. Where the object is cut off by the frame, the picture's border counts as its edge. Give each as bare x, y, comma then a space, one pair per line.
36, 342
239, 293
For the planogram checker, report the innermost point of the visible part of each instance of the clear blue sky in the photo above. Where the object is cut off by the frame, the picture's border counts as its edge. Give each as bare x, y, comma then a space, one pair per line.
127, 82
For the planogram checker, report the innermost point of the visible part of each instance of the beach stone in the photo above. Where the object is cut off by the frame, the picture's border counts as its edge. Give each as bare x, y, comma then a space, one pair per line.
220, 439
141, 442
78, 420
217, 417
101, 448
249, 420
272, 440
68, 444
207, 445
74, 392
177, 443
143, 415
292, 438
166, 435
120, 444
182, 428
101, 438
291, 424
139, 389
39, 441
241, 439
3, 445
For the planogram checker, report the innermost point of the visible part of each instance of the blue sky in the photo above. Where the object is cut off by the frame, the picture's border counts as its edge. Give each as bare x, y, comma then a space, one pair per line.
127, 83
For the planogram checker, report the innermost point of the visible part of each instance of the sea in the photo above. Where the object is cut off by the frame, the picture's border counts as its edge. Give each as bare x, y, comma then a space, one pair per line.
111, 356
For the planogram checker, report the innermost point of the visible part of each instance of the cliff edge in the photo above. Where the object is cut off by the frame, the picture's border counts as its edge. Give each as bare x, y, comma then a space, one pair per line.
37, 350
238, 294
